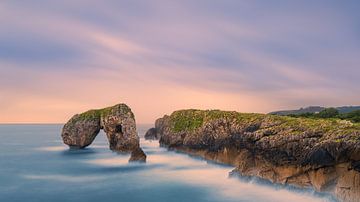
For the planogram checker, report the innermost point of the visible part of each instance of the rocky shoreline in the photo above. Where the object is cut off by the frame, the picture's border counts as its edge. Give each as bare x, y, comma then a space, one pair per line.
308, 153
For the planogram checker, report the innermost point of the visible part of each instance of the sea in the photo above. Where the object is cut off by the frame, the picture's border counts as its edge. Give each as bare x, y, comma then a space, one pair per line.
36, 166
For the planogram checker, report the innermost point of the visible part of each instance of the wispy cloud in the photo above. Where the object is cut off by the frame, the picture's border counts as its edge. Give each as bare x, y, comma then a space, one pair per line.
57, 58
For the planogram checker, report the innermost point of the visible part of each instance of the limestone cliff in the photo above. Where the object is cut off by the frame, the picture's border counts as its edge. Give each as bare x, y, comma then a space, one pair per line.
319, 153
118, 123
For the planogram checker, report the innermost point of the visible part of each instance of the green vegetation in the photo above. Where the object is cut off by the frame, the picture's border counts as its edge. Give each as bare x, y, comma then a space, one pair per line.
186, 120
353, 116
98, 113
328, 113
331, 113
192, 119
91, 114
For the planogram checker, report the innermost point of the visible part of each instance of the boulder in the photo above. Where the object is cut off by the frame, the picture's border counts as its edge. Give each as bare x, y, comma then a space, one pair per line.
151, 134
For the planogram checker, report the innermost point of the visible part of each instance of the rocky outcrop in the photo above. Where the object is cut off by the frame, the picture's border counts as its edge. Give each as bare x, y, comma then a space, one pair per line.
151, 134
118, 123
318, 153
80, 132
138, 155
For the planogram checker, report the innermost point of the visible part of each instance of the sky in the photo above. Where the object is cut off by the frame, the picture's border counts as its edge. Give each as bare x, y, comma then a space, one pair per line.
59, 58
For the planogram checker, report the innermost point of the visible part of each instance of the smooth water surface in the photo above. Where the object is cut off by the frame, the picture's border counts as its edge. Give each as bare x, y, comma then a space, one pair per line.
36, 166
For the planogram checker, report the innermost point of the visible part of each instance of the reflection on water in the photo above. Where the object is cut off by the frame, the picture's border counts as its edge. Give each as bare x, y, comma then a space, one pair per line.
53, 148
35, 166
64, 178
113, 161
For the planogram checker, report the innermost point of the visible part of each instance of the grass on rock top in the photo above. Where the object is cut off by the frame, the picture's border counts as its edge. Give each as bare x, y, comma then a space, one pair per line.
98, 113
191, 119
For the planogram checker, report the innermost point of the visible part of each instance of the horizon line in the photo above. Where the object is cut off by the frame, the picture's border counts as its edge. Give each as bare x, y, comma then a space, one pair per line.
49, 123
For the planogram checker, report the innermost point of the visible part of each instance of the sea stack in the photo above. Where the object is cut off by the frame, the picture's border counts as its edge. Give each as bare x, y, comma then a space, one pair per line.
151, 134
323, 154
118, 122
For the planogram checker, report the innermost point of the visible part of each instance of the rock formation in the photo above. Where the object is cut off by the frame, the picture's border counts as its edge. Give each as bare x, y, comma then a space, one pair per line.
318, 153
118, 123
151, 134
138, 155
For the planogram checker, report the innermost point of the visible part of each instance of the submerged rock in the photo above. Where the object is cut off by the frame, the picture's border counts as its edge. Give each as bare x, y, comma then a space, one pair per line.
137, 155
118, 122
315, 153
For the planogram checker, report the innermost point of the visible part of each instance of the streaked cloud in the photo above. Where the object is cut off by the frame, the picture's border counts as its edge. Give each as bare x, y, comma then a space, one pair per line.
59, 58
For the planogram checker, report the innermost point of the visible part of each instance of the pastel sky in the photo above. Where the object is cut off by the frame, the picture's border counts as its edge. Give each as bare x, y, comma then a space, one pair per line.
58, 58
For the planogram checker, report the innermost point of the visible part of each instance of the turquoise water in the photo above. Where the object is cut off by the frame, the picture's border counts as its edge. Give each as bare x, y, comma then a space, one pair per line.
36, 166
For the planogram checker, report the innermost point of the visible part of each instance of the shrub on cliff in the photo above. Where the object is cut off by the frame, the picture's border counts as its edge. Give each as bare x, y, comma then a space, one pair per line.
353, 116
328, 113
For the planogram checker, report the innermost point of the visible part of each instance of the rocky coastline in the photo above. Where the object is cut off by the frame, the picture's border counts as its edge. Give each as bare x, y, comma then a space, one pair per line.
322, 154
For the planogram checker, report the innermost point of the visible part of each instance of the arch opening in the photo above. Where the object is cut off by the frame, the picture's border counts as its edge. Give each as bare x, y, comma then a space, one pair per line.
119, 129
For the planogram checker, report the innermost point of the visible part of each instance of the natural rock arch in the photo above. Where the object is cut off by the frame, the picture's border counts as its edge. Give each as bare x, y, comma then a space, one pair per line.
118, 122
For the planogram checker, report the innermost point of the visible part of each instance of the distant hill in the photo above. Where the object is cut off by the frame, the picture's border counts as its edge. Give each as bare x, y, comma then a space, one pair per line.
347, 109
315, 109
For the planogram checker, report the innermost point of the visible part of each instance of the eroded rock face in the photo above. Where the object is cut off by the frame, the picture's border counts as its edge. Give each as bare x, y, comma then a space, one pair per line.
322, 154
118, 123
79, 132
